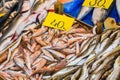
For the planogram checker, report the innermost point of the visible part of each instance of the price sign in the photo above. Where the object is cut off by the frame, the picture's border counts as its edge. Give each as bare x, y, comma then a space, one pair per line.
58, 21
98, 3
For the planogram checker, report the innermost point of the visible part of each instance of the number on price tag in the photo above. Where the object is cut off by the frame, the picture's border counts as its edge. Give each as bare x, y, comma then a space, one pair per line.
98, 3
57, 21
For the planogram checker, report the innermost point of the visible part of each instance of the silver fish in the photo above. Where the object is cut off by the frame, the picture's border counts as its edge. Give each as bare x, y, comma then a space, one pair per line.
64, 72
103, 45
114, 52
106, 74
100, 14
84, 73
20, 62
76, 74
118, 7
114, 45
83, 12
106, 34
115, 75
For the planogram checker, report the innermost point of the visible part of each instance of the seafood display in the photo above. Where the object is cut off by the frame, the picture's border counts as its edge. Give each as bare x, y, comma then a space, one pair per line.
31, 51
43, 51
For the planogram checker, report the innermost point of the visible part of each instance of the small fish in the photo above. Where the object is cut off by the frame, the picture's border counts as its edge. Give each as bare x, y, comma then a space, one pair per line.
77, 48
40, 31
113, 46
80, 60
106, 74
76, 74
47, 53
114, 51
5, 43
15, 73
118, 6
84, 12
58, 54
64, 72
103, 45
104, 64
115, 75
39, 66
8, 65
35, 55
27, 59
69, 51
67, 77
106, 34
84, 73
6, 75
19, 62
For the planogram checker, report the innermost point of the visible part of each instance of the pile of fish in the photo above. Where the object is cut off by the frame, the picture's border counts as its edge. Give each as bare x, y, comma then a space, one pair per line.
43, 51
33, 13
31, 51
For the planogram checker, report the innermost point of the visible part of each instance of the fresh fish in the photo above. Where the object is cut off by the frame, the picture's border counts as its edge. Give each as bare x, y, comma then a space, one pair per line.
97, 76
113, 46
100, 14
39, 66
64, 72
19, 62
77, 48
5, 43
106, 34
56, 53
115, 75
106, 74
94, 42
104, 64
47, 53
47, 77
67, 77
80, 60
15, 73
27, 59
115, 51
76, 74
84, 73
84, 12
14, 9
38, 16
8, 65
118, 6
103, 45
6, 75
34, 56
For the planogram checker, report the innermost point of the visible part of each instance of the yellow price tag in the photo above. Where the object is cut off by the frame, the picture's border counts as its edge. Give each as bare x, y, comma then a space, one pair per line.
58, 21
98, 3
2, 14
